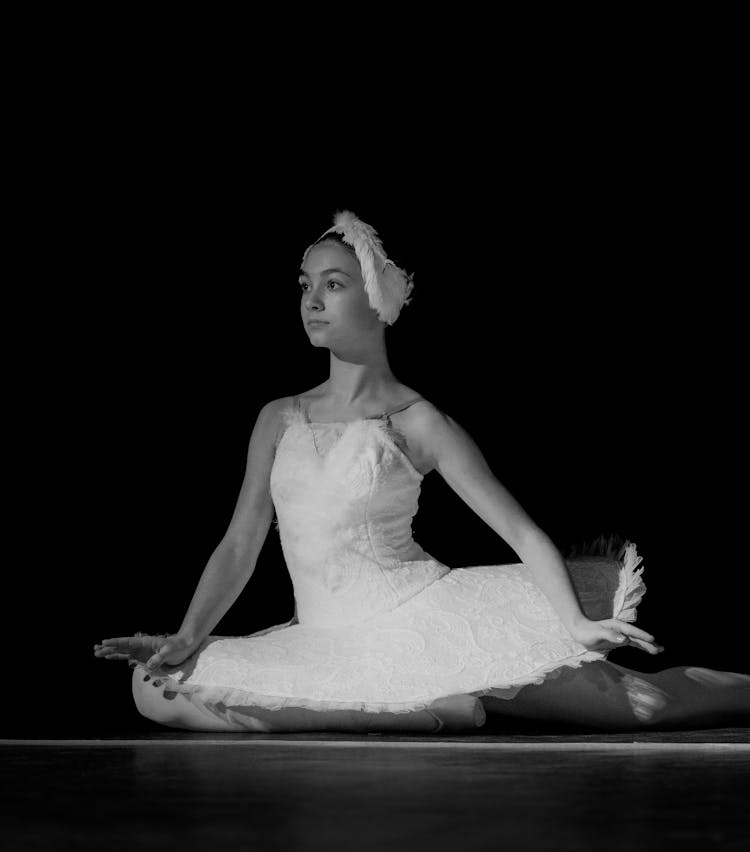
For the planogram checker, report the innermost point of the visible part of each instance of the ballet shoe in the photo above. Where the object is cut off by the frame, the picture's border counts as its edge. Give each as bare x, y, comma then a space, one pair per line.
458, 713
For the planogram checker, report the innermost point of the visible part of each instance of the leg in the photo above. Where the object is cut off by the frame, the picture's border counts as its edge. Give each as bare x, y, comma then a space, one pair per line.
452, 713
175, 710
607, 696
699, 697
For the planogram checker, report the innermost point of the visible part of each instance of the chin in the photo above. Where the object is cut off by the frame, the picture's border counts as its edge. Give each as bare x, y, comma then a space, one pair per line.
311, 339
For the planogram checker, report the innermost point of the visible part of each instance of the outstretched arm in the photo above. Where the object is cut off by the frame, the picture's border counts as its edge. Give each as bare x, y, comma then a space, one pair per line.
233, 562
461, 463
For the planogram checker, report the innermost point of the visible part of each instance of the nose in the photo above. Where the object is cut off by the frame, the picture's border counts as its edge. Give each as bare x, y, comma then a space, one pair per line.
313, 301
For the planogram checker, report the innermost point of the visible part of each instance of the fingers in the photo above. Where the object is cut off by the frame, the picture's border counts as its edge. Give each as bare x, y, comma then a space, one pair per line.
104, 650
138, 641
156, 660
628, 634
646, 646
126, 643
631, 630
111, 654
620, 639
127, 647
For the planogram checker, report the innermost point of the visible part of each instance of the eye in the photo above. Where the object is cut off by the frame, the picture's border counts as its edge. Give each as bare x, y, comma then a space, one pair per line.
303, 284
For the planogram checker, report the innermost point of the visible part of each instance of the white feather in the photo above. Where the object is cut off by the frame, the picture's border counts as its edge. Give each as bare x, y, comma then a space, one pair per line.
387, 286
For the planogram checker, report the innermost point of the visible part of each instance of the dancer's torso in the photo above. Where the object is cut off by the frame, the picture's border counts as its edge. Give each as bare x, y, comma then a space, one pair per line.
345, 494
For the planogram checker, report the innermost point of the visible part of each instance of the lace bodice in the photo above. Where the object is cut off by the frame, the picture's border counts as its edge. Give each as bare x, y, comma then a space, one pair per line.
345, 497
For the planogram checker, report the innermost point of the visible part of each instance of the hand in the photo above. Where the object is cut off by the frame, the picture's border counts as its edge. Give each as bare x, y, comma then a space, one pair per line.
151, 650
612, 633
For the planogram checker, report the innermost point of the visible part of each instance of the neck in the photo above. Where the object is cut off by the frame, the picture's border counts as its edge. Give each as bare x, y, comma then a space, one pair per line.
354, 383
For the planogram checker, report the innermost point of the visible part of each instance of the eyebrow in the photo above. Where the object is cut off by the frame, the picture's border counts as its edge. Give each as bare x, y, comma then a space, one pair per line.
332, 269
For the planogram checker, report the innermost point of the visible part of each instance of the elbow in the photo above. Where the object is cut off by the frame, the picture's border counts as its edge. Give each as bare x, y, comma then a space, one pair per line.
238, 554
527, 538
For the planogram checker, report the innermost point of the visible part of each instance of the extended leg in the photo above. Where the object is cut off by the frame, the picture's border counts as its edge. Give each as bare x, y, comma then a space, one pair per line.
175, 710
452, 713
701, 697
607, 696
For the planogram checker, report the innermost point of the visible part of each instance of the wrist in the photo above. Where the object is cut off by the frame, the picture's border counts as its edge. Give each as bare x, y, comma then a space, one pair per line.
188, 636
574, 621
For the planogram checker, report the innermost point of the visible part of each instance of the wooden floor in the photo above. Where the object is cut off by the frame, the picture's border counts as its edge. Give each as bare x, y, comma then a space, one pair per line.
531, 791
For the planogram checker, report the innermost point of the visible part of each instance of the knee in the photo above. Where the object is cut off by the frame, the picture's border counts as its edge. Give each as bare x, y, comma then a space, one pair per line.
152, 703
650, 704
176, 711
145, 696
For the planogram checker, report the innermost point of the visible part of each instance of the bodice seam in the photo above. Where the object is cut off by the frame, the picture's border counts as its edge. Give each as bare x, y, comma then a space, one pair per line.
374, 551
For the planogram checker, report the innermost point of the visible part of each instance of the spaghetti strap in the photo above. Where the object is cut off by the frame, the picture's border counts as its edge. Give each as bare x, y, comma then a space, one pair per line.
402, 406
302, 408
297, 405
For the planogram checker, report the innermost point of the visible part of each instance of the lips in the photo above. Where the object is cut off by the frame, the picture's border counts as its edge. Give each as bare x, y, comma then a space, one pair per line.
317, 322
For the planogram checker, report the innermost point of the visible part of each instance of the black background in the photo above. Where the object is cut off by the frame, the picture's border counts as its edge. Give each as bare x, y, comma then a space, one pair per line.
575, 309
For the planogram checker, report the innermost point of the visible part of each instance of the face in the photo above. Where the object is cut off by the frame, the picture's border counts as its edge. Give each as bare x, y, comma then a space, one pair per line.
332, 290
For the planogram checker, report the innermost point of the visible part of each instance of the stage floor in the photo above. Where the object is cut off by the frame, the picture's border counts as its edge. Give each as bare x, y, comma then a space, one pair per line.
533, 791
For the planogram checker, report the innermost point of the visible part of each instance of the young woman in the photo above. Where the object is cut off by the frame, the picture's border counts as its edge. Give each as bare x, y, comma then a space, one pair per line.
384, 637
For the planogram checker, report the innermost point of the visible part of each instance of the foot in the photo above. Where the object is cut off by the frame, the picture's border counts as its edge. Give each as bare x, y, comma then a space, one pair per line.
459, 712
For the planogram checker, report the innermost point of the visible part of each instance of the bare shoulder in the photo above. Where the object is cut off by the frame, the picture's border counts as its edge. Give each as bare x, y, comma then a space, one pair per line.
427, 418
438, 442
423, 424
421, 415
271, 416
275, 407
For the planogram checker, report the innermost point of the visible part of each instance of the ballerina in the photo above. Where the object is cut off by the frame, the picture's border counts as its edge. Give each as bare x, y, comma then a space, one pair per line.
384, 637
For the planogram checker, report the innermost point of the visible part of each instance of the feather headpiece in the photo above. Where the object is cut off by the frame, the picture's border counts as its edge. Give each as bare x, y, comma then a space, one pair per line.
387, 286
